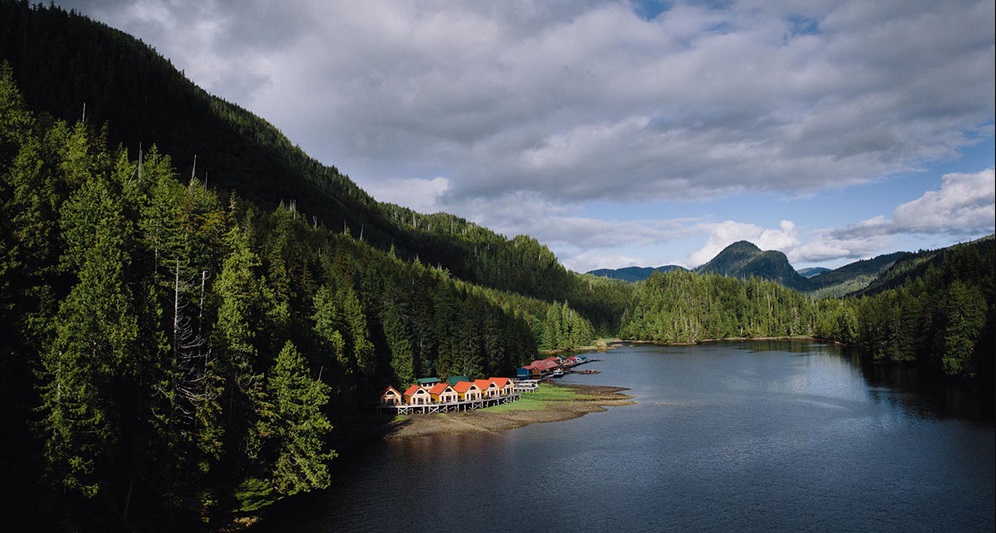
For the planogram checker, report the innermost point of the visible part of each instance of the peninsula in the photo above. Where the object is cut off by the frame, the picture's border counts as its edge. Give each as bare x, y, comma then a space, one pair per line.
552, 403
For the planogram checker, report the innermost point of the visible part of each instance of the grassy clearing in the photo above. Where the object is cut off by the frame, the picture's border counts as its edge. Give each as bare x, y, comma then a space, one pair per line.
532, 401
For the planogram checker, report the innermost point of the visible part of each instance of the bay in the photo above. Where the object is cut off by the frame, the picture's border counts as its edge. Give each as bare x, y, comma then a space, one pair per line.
745, 436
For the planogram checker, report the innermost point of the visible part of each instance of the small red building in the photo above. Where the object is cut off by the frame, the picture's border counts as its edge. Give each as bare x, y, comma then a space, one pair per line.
416, 395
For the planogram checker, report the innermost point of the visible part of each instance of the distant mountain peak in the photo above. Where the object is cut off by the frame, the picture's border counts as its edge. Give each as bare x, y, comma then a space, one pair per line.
812, 271
632, 273
745, 260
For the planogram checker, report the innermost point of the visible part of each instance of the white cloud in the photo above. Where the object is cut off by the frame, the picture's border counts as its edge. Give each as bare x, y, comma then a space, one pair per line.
963, 208
526, 105
570, 100
964, 203
783, 239
421, 195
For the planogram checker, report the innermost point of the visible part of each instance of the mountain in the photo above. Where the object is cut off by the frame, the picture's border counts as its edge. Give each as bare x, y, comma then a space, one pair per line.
853, 277
812, 271
183, 342
744, 260
910, 266
632, 273
68, 66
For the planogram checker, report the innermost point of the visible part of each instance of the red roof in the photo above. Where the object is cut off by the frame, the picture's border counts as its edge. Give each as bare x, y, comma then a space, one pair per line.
464, 386
500, 382
389, 388
543, 364
483, 383
439, 388
412, 390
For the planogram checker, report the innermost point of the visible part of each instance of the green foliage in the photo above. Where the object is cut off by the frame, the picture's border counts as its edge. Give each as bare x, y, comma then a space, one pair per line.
684, 307
744, 260
564, 328
299, 426
166, 346
95, 330
939, 314
174, 354
941, 319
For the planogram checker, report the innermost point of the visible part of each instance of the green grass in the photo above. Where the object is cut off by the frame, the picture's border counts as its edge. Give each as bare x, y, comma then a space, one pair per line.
532, 401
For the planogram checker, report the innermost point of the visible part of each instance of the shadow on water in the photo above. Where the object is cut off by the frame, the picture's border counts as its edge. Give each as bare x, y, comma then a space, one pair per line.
922, 395
735, 436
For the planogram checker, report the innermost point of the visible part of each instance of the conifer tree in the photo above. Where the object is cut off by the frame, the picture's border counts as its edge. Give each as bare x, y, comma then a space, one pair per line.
237, 325
91, 357
299, 426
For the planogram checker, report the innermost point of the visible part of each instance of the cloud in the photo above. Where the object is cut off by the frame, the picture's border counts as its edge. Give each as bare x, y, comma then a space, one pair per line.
514, 114
581, 242
965, 203
421, 195
575, 101
784, 238
963, 208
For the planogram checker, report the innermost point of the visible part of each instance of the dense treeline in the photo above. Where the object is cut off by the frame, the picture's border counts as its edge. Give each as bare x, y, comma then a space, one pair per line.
943, 319
940, 317
65, 63
171, 356
685, 307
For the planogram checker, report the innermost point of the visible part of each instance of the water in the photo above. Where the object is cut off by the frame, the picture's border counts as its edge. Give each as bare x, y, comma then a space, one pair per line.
762, 436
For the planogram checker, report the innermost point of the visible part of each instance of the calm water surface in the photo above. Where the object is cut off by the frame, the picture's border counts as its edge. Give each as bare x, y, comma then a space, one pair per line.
754, 436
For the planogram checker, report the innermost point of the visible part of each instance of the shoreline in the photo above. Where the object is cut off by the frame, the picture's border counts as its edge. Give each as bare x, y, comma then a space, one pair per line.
586, 399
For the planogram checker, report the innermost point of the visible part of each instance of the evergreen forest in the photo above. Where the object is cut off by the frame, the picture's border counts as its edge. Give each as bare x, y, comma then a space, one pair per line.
197, 316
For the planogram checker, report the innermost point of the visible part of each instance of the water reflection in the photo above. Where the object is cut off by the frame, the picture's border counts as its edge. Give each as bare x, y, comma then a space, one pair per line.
923, 396
765, 436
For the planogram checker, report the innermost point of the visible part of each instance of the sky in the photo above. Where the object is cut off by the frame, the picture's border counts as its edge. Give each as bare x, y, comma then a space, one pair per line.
624, 133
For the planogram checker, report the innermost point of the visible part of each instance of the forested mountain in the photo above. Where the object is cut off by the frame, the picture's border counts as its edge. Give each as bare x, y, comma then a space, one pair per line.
936, 310
66, 64
744, 260
909, 266
185, 343
182, 344
171, 356
853, 277
632, 273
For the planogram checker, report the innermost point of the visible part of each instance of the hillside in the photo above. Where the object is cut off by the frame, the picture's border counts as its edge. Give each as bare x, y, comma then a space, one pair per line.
853, 277
185, 343
65, 63
910, 266
633, 273
812, 271
744, 260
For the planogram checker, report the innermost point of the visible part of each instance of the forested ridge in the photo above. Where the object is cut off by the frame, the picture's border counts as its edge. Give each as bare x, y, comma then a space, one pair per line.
172, 356
186, 342
933, 309
66, 65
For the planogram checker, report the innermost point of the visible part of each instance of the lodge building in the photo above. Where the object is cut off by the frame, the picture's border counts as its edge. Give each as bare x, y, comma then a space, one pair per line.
459, 393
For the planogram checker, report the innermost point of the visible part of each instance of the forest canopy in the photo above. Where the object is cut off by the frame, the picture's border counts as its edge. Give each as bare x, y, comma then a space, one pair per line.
178, 350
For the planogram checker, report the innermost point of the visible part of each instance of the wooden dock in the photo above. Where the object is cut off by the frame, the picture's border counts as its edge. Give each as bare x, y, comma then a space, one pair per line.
449, 407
